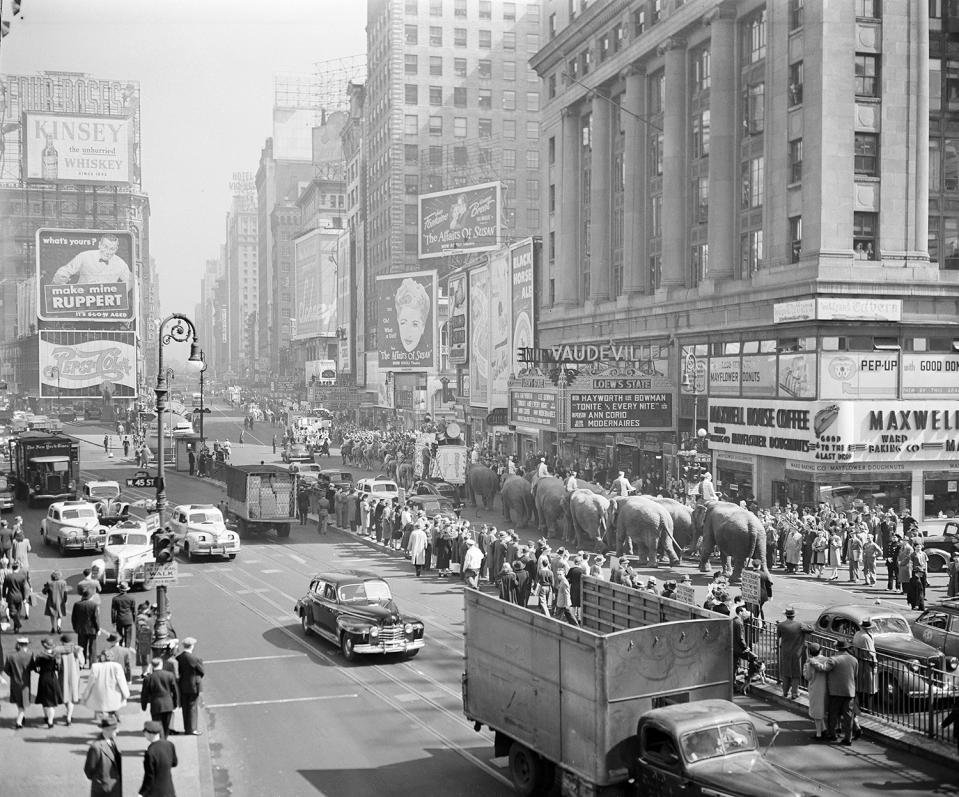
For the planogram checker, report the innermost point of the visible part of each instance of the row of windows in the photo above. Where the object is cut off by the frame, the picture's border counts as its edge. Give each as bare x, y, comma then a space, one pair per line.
484, 67
484, 127
484, 9
484, 41
484, 98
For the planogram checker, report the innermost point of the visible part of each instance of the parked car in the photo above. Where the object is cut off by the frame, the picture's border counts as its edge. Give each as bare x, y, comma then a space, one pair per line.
909, 669
92, 412
7, 492
308, 472
940, 547
201, 531
338, 478
129, 547
378, 488
297, 453
432, 505
73, 526
357, 612
437, 487
938, 626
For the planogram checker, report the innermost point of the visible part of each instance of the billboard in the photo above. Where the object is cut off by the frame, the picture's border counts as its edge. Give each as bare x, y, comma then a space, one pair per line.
501, 323
459, 319
461, 220
85, 275
523, 269
324, 372
87, 364
479, 336
69, 148
406, 308
314, 281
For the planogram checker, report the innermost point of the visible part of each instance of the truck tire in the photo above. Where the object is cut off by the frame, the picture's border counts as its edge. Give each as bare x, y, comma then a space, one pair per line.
283, 530
527, 770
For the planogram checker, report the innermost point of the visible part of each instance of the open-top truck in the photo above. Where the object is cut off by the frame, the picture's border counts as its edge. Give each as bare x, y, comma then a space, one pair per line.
259, 497
636, 701
46, 466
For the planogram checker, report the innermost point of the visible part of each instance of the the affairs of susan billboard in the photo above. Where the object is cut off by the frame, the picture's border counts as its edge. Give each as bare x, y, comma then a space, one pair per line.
85, 275
406, 305
461, 220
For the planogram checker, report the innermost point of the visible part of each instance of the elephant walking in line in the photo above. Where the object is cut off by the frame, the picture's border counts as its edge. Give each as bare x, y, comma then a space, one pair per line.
588, 517
548, 496
482, 483
404, 475
517, 497
684, 530
737, 532
645, 526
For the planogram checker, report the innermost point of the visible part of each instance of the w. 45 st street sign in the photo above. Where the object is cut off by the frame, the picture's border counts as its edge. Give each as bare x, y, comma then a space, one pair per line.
142, 479
159, 575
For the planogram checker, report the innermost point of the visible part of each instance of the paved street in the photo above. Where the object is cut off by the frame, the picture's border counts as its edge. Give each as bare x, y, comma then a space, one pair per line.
286, 715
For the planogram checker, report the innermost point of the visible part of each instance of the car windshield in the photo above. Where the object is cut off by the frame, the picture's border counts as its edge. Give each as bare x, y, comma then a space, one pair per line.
128, 539
384, 487
210, 516
104, 491
430, 505
365, 592
712, 742
78, 514
889, 625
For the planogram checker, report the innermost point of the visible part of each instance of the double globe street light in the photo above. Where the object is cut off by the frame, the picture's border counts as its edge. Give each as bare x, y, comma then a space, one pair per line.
181, 329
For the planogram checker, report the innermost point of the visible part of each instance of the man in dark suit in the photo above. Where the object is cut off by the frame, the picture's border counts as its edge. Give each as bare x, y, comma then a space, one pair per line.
123, 613
104, 764
842, 691
161, 693
191, 678
158, 761
16, 591
85, 619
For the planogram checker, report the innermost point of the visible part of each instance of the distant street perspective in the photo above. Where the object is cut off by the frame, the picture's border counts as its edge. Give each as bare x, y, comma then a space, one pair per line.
471, 397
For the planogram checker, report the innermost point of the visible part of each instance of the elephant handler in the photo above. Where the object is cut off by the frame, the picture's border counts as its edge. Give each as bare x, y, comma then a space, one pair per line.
706, 492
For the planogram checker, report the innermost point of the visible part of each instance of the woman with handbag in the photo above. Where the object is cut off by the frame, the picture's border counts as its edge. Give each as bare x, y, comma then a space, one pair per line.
56, 604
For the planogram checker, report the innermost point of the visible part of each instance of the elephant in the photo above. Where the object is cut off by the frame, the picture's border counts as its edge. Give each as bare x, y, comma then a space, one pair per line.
482, 482
517, 497
737, 532
684, 531
588, 516
548, 495
404, 475
645, 525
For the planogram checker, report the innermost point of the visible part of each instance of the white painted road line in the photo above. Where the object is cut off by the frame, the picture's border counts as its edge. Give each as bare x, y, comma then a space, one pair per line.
284, 700
297, 559
271, 571
258, 658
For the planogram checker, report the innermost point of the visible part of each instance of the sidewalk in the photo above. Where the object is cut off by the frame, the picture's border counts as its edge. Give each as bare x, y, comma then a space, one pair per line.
40, 761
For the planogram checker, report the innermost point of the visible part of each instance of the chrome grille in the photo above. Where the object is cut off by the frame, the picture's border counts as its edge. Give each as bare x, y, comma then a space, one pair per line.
391, 634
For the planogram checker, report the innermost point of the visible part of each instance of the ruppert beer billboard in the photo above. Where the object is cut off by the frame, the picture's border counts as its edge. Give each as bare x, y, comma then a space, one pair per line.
85, 275
462, 220
66, 148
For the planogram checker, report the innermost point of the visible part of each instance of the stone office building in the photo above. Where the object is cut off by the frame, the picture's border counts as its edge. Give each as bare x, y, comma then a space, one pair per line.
739, 190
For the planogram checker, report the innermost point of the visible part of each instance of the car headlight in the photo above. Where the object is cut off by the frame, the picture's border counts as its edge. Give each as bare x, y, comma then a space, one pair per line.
408, 628
374, 632
952, 663
914, 665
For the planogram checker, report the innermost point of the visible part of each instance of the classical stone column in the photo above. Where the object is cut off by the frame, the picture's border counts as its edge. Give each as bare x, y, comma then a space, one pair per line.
921, 202
567, 239
635, 273
674, 164
722, 142
599, 198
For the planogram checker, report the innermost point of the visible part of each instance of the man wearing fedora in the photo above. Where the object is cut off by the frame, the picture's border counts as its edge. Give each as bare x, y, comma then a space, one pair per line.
841, 686
792, 636
104, 764
867, 679
190, 683
123, 613
17, 667
158, 761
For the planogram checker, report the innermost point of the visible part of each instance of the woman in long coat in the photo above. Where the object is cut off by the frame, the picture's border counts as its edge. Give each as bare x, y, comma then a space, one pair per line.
49, 692
444, 548
815, 672
792, 550
107, 691
21, 551
71, 659
56, 606
835, 554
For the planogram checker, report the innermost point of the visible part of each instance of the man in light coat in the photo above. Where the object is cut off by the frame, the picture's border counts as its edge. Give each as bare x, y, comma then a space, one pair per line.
472, 562
417, 546
867, 678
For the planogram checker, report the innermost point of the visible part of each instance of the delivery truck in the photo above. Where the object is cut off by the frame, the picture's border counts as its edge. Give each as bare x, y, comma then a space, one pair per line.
259, 498
635, 701
46, 467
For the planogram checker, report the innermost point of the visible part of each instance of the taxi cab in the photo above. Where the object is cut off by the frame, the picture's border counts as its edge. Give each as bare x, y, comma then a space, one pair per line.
73, 526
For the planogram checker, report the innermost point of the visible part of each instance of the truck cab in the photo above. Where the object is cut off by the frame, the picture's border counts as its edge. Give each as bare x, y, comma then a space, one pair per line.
49, 477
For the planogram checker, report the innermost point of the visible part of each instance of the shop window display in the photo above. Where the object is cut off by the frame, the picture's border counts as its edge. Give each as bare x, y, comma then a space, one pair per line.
940, 495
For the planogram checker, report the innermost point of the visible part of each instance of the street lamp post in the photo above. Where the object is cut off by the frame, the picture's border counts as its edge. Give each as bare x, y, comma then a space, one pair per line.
202, 409
691, 380
181, 329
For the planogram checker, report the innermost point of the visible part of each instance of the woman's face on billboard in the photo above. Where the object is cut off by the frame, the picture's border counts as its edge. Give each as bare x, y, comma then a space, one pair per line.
411, 327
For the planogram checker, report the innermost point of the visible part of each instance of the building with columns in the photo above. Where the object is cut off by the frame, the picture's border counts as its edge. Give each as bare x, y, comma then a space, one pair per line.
736, 195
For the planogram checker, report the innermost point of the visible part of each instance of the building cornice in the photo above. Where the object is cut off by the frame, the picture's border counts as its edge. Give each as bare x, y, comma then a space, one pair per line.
591, 21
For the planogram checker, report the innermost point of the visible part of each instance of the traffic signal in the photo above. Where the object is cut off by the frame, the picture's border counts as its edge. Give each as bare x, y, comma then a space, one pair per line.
163, 547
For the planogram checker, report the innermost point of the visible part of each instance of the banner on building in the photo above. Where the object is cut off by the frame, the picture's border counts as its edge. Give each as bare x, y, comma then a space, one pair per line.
69, 148
501, 329
858, 375
523, 269
85, 275
87, 364
449, 464
458, 325
479, 339
406, 307
930, 374
320, 372
314, 284
461, 220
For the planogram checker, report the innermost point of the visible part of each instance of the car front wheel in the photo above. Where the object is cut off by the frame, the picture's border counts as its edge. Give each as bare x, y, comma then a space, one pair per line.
305, 624
936, 563
61, 547
346, 645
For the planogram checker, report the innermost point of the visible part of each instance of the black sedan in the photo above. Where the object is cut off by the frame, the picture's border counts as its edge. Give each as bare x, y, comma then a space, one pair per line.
357, 612
432, 506
437, 487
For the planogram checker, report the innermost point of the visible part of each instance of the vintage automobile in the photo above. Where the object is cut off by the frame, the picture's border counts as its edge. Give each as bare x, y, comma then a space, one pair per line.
356, 611
437, 487
7, 493
941, 545
909, 669
73, 526
378, 488
129, 547
306, 472
338, 478
297, 452
938, 626
200, 531
432, 506
105, 496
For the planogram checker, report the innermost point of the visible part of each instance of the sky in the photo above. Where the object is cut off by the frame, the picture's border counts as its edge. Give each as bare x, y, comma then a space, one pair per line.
206, 71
